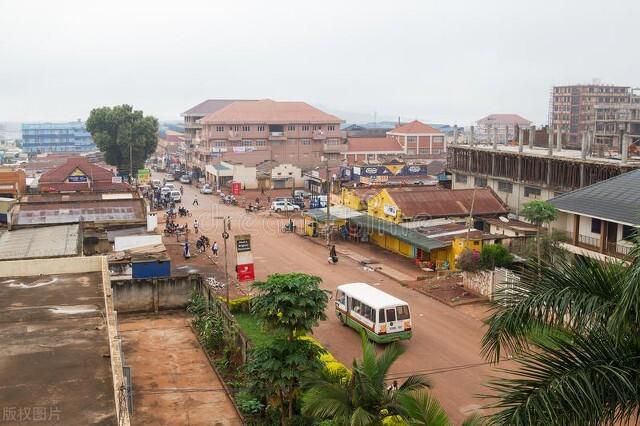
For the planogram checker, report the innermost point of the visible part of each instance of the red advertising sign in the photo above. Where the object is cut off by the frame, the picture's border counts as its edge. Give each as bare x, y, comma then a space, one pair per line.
244, 258
235, 188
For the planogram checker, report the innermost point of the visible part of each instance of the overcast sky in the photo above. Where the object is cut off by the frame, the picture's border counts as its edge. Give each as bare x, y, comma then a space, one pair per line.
438, 61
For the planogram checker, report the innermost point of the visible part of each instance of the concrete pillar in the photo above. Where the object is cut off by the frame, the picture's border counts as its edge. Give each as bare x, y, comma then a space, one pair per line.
581, 175
532, 136
559, 141
520, 139
472, 136
583, 151
625, 148
455, 134
495, 138
550, 141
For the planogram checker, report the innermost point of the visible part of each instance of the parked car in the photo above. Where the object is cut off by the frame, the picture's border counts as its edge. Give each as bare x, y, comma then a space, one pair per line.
185, 179
165, 190
170, 186
298, 201
156, 183
284, 206
176, 196
318, 201
206, 189
168, 177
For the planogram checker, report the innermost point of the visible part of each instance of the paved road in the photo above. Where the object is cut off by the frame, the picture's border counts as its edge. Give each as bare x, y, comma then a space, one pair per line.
443, 337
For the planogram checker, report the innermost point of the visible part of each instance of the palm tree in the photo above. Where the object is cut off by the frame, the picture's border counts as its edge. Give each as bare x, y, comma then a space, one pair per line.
539, 212
573, 327
363, 399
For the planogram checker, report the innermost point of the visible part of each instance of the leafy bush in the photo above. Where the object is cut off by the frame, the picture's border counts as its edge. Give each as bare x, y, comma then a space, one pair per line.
332, 365
495, 256
241, 304
468, 261
248, 403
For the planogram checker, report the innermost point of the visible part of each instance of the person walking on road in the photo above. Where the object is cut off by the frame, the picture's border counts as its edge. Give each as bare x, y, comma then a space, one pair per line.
195, 201
187, 253
196, 225
214, 248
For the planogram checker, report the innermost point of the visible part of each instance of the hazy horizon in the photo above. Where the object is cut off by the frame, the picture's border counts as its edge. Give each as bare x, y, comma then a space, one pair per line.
440, 63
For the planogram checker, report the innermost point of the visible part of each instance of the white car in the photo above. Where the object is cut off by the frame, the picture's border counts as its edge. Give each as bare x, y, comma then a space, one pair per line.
206, 189
284, 206
169, 177
165, 190
169, 185
176, 196
156, 183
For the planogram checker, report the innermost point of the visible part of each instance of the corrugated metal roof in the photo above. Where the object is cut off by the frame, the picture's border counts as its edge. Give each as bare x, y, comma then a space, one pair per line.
209, 106
336, 213
86, 211
403, 234
43, 242
268, 111
616, 199
429, 202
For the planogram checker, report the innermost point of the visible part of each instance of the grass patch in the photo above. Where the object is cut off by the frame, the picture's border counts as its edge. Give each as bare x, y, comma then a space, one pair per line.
252, 329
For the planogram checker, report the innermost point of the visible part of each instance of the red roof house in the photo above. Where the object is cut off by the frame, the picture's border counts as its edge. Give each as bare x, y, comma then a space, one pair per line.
79, 175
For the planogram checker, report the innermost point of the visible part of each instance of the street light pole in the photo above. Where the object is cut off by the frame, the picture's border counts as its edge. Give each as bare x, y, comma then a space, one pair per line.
225, 237
329, 183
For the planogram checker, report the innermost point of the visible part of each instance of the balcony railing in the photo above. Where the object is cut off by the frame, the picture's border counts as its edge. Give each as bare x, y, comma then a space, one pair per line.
335, 148
617, 249
591, 242
277, 136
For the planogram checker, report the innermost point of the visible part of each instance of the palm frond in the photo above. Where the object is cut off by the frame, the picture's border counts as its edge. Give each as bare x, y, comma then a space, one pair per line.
415, 382
565, 295
362, 417
326, 401
590, 380
627, 313
421, 409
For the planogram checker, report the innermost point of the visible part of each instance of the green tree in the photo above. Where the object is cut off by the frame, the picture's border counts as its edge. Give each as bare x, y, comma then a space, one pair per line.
495, 256
291, 303
365, 399
572, 327
539, 212
126, 137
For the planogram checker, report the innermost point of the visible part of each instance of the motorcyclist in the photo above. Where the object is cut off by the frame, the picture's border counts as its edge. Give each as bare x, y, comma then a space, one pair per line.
181, 189
333, 255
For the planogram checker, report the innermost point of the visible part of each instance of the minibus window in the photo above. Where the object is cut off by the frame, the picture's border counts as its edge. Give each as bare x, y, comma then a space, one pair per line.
391, 315
403, 312
381, 316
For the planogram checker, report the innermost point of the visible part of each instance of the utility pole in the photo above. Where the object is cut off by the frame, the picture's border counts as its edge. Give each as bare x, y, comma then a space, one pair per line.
329, 182
130, 162
225, 237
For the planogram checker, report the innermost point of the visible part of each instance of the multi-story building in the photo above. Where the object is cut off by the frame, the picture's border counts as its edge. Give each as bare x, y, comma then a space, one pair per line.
56, 137
572, 109
192, 126
614, 120
417, 138
500, 127
522, 173
290, 132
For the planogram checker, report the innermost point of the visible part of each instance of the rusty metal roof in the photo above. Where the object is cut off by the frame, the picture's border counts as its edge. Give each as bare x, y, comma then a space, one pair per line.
432, 202
83, 211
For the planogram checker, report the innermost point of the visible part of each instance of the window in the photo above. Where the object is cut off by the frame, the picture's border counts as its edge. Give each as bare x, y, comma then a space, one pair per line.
332, 142
381, 316
628, 232
261, 128
246, 128
480, 182
531, 191
317, 127
412, 139
403, 312
305, 128
219, 129
341, 297
291, 128
247, 143
260, 142
391, 315
220, 144
505, 186
461, 178
331, 127
596, 225
236, 128
306, 142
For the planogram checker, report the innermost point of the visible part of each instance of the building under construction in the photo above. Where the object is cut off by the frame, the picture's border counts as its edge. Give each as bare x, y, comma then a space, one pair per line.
603, 110
528, 171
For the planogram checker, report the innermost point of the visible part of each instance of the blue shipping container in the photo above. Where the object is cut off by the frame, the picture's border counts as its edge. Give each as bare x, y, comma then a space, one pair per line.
151, 268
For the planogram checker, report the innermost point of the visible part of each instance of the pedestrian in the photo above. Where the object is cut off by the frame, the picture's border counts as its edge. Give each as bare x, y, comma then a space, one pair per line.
262, 190
195, 201
214, 248
393, 387
196, 225
187, 253
257, 201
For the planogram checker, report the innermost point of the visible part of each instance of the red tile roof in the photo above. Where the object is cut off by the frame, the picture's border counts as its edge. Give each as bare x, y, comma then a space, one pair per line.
54, 180
374, 145
511, 119
414, 127
267, 111
427, 202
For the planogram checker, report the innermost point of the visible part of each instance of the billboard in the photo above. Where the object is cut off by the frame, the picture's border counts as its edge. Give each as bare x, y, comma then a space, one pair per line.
235, 188
144, 176
244, 258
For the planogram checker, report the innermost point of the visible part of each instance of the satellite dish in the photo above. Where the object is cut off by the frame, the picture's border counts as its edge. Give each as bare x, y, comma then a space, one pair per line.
504, 219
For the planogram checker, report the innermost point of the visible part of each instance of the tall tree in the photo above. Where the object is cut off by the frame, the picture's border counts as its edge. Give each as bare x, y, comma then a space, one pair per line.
539, 212
292, 303
126, 137
289, 305
573, 327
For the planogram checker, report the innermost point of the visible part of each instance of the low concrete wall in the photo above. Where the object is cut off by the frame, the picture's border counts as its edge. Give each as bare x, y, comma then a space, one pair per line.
67, 265
487, 283
153, 295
